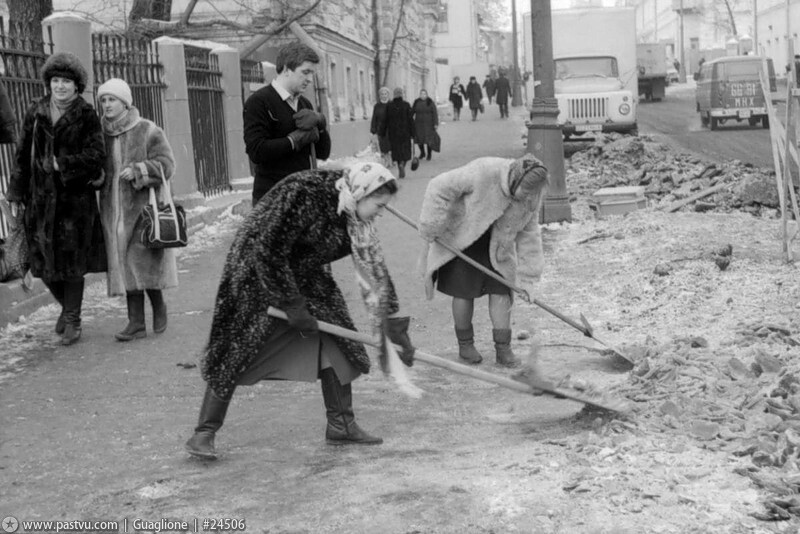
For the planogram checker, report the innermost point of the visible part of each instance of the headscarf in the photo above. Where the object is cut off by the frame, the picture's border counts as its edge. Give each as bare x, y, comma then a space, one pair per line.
385, 90
522, 167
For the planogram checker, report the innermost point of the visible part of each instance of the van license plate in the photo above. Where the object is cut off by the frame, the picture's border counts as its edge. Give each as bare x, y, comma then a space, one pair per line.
744, 114
588, 127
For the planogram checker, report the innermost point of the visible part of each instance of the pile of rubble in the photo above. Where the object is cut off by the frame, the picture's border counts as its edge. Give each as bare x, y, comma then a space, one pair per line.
668, 176
742, 398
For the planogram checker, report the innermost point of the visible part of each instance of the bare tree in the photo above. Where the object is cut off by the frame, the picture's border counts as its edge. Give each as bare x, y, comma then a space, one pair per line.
30, 12
150, 9
731, 18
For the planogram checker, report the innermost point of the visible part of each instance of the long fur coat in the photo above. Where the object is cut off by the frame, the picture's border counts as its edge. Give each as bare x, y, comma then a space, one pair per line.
140, 145
461, 204
282, 249
65, 240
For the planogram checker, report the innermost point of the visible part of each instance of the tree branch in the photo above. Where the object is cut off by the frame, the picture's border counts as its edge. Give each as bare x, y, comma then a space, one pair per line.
184, 20
263, 36
394, 41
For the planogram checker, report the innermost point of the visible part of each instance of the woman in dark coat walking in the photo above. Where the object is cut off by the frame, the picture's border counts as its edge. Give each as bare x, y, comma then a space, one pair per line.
457, 96
426, 122
474, 94
378, 119
59, 165
280, 257
399, 127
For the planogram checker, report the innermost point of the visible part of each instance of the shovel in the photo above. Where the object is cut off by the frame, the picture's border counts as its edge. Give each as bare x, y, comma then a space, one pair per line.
583, 327
604, 402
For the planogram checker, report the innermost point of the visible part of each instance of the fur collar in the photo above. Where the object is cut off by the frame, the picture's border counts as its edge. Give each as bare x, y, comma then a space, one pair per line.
123, 124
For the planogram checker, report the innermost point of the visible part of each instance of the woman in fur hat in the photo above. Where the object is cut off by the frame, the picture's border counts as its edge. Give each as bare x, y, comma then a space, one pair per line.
488, 209
140, 157
280, 257
59, 165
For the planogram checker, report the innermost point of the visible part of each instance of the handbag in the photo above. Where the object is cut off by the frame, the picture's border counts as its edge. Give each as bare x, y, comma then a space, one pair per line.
414, 158
14, 248
162, 226
436, 142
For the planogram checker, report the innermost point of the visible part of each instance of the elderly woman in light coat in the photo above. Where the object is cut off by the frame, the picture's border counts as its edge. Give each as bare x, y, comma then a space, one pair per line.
488, 209
139, 158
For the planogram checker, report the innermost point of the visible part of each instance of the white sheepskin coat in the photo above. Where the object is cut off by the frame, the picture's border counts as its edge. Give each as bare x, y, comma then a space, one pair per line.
461, 204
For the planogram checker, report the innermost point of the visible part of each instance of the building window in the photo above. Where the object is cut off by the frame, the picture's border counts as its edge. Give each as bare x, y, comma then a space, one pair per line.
441, 22
694, 43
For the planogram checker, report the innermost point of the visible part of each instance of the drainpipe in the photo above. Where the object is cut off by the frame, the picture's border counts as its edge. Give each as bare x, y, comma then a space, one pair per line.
322, 70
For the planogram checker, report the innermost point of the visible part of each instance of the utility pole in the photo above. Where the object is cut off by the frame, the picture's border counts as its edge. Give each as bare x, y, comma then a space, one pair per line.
545, 139
655, 21
516, 97
756, 51
682, 73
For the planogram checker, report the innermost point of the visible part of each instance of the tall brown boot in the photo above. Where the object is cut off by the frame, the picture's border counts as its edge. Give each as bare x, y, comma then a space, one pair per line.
342, 428
159, 310
466, 346
502, 346
135, 328
212, 415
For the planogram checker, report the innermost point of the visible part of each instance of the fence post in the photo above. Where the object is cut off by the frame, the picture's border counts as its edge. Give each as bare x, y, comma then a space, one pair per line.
177, 124
238, 163
72, 33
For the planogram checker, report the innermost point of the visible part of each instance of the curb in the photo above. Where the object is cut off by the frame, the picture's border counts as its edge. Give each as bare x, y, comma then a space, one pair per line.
16, 302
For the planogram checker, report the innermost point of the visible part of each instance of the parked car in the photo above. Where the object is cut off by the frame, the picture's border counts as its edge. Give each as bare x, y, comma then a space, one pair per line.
729, 88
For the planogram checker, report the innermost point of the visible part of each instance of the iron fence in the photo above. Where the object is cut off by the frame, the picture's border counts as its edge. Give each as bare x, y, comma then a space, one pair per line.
135, 60
22, 55
206, 114
252, 72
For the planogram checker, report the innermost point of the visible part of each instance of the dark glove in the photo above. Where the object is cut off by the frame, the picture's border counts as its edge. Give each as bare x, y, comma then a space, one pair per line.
301, 138
306, 119
398, 334
298, 317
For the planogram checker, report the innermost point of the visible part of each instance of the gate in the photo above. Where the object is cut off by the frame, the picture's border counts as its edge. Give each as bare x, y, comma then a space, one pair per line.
206, 115
22, 55
135, 60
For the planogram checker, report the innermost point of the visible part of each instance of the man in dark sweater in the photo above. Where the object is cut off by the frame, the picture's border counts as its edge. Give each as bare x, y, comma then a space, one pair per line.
282, 132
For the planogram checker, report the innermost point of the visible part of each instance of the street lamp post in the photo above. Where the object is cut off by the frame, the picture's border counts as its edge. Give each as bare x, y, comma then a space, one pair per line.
516, 97
545, 139
682, 73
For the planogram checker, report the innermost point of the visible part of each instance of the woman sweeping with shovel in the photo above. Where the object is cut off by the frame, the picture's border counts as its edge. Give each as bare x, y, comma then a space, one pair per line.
489, 210
280, 257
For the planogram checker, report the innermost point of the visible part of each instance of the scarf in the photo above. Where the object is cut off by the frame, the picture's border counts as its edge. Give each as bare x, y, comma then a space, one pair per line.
57, 108
358, 181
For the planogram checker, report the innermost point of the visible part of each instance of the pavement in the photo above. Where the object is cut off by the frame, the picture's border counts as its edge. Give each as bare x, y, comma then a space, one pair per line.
96, 430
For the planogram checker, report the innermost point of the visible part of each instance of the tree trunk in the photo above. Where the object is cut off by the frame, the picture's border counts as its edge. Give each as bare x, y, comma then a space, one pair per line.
30, 12
376, 44
731, 18
150, 9
394, 41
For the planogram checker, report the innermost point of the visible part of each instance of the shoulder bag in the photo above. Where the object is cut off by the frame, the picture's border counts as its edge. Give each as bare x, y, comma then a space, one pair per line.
162, 226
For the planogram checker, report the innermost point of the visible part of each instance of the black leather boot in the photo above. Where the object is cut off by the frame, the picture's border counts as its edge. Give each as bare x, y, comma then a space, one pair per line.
136, 328
73, 301
159, 310
212, 415
502, 346
421, 151
342, 428
57, 290
466, 346
401, 169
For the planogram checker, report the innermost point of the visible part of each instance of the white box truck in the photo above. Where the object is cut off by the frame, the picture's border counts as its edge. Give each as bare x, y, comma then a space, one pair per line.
596, 81
651, 60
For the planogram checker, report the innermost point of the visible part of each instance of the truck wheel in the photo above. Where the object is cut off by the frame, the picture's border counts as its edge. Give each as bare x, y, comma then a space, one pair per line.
713, 123
765, 122
752, 121
703, 121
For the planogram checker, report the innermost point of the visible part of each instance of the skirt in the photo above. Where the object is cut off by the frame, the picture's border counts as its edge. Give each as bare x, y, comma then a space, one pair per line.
289, 356
458, 278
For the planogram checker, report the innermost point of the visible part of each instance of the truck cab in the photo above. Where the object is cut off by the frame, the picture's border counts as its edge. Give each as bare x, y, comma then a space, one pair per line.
729, 89
592, 97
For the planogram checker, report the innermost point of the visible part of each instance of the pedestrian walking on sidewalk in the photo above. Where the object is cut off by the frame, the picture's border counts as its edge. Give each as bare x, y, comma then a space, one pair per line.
58, 168
378, 119
139, 159
457, 96
474, 95
399, 128
488, 209
282, 132
502, 90
426, 122
488, 85
280, 257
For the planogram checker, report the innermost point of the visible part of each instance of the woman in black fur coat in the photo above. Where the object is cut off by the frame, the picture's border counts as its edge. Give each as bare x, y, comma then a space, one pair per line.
59, 165
280, 257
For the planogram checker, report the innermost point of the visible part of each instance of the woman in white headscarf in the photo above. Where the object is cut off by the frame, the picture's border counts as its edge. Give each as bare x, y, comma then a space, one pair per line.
280, 257
139, 158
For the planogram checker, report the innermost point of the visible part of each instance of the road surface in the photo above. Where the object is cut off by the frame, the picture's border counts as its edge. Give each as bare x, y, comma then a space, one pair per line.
676, 118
